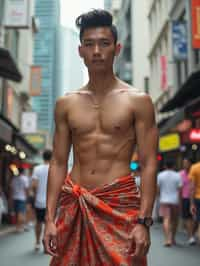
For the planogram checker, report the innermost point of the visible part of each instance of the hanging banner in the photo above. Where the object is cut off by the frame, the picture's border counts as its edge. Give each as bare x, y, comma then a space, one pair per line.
163, 77
195, 9
179, 40
17, 14
35, 80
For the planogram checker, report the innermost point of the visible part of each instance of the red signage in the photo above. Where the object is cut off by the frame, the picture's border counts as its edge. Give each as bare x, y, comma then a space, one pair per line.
194, 135
195, 9
163, 81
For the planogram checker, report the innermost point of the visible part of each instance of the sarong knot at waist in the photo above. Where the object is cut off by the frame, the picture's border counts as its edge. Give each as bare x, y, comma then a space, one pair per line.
76, 190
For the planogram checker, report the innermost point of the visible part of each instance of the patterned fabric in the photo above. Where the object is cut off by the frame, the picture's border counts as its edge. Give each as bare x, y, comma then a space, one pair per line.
94, 226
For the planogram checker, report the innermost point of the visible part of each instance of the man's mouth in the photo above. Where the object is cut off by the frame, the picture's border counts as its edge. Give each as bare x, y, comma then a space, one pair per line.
98, 61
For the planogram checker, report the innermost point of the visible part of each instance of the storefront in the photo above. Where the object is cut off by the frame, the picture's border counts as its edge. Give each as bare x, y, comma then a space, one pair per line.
14, 153
186, 119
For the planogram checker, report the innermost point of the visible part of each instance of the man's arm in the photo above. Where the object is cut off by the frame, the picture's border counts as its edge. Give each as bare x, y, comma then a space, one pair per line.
147, 141
147, 138
57, 172
58, 164
192, 190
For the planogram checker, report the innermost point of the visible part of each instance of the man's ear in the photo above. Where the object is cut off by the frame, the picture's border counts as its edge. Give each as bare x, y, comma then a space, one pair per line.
80, 51
118, 49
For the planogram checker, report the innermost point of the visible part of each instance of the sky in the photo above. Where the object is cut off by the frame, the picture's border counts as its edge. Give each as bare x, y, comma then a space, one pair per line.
72, 9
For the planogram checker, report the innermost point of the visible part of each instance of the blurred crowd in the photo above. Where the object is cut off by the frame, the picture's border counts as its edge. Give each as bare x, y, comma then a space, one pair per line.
177, 203
26, 205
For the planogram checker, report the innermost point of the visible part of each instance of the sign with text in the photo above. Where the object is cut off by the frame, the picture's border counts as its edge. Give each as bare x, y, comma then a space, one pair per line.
195, 9
179, 40
17, 14
194, 135
35, 81
163, 77
29, 122
37, 140
169, 142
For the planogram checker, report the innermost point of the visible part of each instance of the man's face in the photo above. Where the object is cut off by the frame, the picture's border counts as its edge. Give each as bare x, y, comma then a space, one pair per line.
98, 49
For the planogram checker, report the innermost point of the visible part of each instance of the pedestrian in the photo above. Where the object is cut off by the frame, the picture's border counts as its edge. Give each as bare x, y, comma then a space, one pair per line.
30, 217
19, 192
169, 190
101, 219
185, 206
194, 175
39, 186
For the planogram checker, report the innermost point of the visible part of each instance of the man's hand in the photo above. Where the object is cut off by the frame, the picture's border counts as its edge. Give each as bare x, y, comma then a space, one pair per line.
141, 237
50, 239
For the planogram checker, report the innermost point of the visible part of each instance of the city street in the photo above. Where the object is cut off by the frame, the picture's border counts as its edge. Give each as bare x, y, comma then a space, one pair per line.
17, 249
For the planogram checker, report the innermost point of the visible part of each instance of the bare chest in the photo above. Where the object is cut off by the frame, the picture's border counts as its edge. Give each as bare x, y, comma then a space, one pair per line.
110, 117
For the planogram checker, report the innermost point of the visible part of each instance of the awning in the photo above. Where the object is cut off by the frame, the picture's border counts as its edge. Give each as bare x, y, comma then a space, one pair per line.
173, 121
23, 145
189, 91
8, 68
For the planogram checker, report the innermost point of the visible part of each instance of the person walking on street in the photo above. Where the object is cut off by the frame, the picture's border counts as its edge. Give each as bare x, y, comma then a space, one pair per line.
194, 176
169, 190
39, 185
95, 214
30, 209
185, 205
19, 192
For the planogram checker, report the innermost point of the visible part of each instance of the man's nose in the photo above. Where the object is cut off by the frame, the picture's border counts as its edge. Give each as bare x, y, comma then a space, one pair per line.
96, 49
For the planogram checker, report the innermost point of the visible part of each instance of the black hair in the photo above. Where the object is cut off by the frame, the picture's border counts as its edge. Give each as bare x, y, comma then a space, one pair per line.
20, 170
47, 155
170, 163
96, 18
188, 158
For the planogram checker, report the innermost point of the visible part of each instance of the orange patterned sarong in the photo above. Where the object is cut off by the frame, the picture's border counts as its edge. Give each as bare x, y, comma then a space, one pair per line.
94, 226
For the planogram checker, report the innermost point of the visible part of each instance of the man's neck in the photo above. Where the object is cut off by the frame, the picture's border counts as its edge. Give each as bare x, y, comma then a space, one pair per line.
101, 83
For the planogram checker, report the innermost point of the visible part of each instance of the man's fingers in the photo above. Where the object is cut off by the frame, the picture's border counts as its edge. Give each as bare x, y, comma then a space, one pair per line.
50, 245
141, 250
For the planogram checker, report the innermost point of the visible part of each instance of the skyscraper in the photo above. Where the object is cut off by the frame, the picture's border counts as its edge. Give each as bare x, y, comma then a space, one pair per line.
45, 55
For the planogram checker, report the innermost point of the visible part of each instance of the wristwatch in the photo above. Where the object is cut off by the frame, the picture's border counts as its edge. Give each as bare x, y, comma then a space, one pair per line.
146, 221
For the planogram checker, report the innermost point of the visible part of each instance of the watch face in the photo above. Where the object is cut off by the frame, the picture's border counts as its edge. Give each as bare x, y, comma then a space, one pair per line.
148, 221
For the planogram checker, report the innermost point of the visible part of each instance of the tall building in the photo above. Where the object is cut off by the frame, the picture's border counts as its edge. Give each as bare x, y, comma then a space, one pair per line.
140, 45
45, 55
174, 56
122, 11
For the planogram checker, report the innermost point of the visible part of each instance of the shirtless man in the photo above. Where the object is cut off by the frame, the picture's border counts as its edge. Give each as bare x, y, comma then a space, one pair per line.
99, 220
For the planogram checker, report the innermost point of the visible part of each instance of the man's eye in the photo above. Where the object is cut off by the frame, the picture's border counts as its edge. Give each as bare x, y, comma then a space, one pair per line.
105, 43
88, 44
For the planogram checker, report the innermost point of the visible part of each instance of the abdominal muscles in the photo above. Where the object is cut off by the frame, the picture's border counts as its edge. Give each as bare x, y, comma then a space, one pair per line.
99, 159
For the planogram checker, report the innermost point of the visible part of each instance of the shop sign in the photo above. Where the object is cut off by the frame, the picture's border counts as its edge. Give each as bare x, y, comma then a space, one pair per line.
17, 14
29, 122
163, 77
169, 142
195, 8
179, 39
37, 140
194, 135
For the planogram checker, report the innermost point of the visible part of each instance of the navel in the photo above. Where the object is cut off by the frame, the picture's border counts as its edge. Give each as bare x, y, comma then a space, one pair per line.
117, 127
93, 172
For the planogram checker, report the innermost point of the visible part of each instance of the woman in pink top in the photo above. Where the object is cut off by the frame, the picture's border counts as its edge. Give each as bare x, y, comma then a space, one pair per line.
186, 215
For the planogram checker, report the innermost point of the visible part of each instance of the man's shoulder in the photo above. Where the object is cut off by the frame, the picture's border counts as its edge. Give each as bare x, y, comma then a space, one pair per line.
138, 97
69, 96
